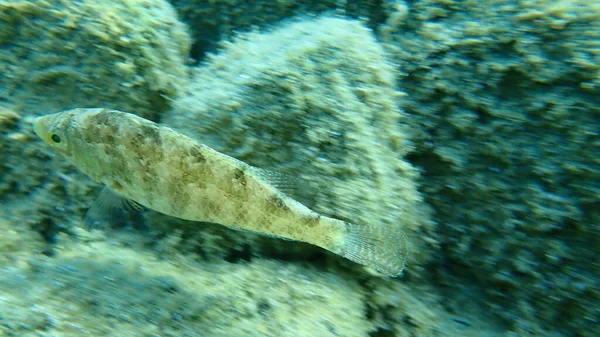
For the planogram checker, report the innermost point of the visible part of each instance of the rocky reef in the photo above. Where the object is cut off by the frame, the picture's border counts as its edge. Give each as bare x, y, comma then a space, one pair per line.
475, 125
220, 20
505, 99
101, 287
130, 55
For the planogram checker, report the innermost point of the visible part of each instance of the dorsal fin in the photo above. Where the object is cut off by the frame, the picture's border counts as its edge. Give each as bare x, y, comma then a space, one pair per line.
287, 184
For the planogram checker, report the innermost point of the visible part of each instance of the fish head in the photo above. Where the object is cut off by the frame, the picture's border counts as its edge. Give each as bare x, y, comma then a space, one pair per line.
54, 130
73, 134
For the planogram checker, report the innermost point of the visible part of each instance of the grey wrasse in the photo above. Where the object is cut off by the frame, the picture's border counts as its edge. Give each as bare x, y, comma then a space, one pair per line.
168, 172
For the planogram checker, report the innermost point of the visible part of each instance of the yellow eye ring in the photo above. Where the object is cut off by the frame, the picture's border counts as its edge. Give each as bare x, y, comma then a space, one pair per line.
55, 138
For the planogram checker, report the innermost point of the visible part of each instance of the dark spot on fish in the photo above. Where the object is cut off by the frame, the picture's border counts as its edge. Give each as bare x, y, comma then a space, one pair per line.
109, 151
311, 220
240, 176
102, 118
277, 203
177, 197
210, 207
87, 137
152, 133
136, 148
144, 147
240, 216
197, 154
264, 224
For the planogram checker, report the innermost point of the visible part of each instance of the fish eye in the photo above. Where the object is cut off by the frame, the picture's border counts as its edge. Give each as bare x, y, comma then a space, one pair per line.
55, 138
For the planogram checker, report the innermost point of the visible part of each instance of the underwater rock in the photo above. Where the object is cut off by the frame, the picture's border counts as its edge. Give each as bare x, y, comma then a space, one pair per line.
127, 54
313, 99
505, 103
96, 287
212, 22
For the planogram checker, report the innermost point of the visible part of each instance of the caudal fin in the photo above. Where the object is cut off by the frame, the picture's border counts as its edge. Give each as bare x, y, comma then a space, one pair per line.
381, 247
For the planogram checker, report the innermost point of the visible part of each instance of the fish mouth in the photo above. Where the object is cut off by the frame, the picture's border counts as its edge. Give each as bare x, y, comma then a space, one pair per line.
39, 127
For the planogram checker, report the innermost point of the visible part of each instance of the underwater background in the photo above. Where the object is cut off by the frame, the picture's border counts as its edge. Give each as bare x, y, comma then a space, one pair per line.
473, 124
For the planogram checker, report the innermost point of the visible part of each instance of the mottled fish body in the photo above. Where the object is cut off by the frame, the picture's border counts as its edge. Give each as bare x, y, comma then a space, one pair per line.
171, 173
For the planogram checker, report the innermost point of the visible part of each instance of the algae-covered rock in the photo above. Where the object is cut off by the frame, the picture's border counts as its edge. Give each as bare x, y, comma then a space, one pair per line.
122, 285
126, 54
313, 99
214, 21
98, 287
507, 99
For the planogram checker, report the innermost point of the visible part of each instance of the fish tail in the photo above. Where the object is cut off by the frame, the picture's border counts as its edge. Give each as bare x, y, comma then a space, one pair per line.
381, 247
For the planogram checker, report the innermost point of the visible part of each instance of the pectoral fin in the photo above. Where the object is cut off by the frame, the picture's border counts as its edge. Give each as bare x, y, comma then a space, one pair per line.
112, 210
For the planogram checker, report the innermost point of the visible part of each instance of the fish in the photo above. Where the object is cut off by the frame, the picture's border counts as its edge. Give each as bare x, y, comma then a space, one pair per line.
153, 166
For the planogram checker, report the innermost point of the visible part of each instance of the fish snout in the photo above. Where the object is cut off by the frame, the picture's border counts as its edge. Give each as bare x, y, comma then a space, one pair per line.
39, 127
